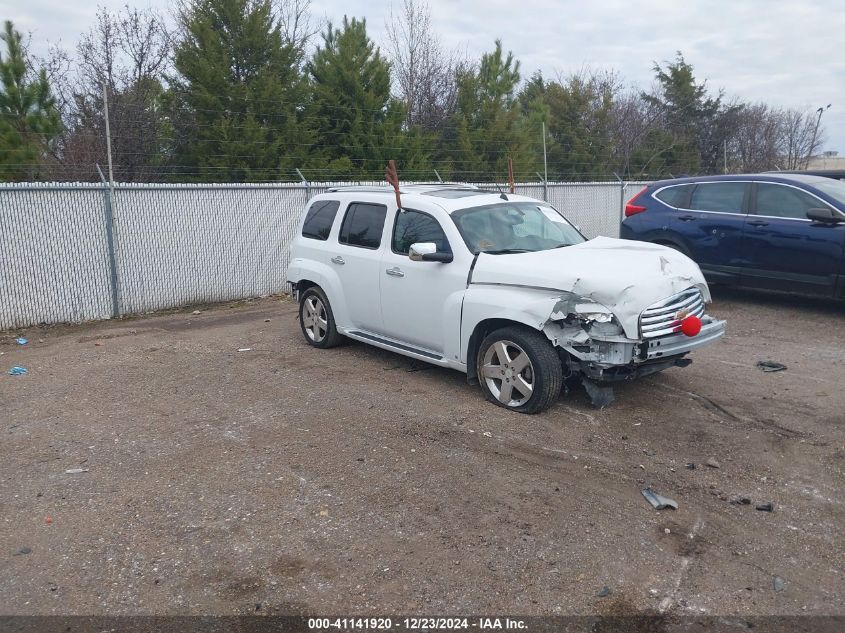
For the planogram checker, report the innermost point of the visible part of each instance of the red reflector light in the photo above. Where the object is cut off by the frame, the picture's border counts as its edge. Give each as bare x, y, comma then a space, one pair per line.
691, 325
631, 208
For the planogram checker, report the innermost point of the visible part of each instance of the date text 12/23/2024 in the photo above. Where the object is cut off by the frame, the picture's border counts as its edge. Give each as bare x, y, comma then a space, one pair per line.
413, 624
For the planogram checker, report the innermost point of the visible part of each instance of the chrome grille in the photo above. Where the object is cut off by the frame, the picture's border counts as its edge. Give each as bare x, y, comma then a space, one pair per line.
660, 319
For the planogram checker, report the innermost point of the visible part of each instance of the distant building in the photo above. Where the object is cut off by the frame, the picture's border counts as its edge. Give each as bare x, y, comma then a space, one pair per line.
826, 160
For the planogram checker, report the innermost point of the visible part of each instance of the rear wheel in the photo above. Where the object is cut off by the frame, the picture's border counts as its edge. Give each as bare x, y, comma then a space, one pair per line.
316, 319
519, 370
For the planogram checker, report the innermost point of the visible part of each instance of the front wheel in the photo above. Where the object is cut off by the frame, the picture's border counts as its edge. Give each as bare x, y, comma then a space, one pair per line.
519, 370
316, 319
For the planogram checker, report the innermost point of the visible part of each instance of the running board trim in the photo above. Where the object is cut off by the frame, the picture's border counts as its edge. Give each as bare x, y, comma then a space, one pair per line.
389, 343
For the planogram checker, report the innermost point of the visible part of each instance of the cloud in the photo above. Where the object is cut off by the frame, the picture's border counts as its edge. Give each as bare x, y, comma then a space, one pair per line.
782, 52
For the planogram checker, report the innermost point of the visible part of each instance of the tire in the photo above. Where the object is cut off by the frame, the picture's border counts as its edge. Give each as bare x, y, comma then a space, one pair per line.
317, 320
514, 360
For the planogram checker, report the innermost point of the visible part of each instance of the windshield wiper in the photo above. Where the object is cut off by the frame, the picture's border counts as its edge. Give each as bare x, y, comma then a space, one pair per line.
507, 251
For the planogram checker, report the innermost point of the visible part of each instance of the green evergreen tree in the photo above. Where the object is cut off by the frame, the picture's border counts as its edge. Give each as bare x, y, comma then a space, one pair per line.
237, 101
358, 124
698, 123
29, 118
485, 128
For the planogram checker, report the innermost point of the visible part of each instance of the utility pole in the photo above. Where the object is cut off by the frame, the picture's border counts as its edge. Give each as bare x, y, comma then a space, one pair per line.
108, 133
820, 112
545, 164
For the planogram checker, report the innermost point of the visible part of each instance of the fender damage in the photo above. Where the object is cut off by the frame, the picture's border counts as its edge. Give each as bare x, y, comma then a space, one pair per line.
592, 297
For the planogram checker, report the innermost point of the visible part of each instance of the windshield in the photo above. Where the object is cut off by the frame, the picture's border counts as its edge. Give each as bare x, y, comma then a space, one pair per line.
515, 227
834, 188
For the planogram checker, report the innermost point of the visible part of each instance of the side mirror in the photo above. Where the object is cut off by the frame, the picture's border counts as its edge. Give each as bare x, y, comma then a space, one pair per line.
427, 252
825, 214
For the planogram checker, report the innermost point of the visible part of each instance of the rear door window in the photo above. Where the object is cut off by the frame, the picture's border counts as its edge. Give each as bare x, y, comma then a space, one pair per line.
676, 196
363, 225
319, 219
721, 197
781, 201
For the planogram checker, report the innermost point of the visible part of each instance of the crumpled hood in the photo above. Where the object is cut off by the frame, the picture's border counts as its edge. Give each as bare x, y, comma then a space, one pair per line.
623, 275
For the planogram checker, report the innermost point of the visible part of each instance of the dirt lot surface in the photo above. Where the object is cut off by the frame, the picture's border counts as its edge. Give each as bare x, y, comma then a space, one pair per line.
288, 479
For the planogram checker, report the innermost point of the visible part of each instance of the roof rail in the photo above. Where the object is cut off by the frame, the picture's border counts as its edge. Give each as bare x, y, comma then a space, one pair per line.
372, 188
409, 187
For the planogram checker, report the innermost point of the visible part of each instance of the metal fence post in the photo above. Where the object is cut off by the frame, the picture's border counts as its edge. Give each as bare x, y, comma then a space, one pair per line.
306, 183
621, 197
108, 190
545, 187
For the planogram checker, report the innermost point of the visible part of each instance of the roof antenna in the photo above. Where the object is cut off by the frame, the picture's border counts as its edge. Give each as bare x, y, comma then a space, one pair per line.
392, 177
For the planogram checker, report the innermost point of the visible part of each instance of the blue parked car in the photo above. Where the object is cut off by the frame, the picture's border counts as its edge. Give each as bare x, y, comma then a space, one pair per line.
773, 231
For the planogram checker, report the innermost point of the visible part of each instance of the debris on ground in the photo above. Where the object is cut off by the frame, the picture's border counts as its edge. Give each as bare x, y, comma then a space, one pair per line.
600, 396
770, 365
690, 466
23, 551
766, 507
778, 583
18, 371
658, 501
75, 471
245, 349
21, 341
713, 463
741, 501
196, 312
605, 592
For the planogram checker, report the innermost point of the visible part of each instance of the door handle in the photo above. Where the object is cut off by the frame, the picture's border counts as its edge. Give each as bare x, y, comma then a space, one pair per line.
337, 259
395, 272
686, 218
758, 223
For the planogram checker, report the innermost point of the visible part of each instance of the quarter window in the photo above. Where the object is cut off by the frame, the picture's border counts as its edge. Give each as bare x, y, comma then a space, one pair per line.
784, 202
723, 197
412, 227
675, 196
363, 225
319, 219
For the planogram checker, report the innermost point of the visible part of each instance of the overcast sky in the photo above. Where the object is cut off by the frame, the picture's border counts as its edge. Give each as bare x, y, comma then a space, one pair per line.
786, 53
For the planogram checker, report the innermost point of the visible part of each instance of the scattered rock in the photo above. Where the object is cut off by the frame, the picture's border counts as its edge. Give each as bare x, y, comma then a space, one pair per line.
23, 551
75, 471
196, 312
713, 463
605, 592
778, 583
740, 501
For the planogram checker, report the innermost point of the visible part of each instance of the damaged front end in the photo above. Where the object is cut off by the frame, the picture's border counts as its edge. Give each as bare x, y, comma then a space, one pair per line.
594, 345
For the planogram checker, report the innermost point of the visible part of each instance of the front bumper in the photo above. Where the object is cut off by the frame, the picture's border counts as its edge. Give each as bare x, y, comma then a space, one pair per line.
677, 344
617, 360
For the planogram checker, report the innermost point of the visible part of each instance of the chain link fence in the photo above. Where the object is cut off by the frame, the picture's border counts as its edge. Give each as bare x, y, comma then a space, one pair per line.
80, 252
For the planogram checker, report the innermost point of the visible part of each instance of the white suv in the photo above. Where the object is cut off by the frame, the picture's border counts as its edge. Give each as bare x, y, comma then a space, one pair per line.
499, 286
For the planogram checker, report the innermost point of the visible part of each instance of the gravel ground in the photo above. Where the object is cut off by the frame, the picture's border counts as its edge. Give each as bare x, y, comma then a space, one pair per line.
287, 479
